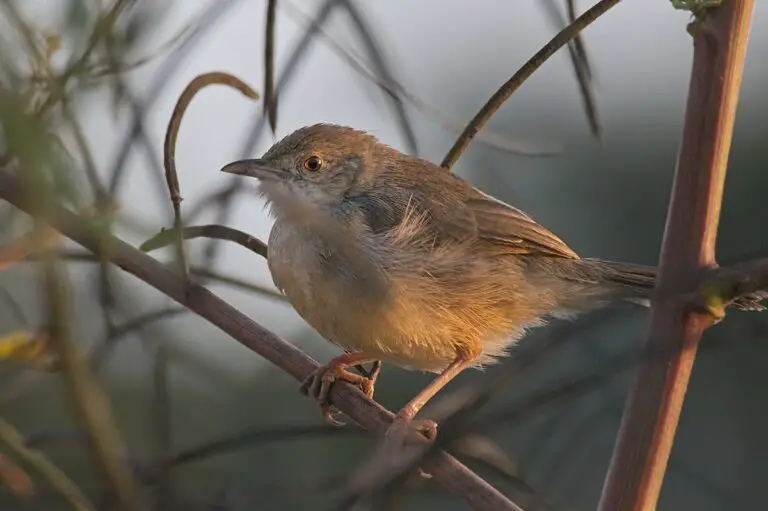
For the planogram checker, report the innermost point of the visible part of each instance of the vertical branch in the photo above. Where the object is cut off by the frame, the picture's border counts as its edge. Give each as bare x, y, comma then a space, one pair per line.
653, 407
90, 403
270, 97
161, 425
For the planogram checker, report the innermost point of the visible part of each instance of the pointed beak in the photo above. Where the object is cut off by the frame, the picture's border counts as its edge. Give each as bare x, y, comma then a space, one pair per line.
260, 169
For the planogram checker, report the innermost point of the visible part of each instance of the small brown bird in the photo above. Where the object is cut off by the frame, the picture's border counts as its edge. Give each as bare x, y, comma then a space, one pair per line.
396, 259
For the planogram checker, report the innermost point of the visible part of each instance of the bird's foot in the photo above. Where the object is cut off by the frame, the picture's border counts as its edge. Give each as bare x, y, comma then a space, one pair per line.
318, 385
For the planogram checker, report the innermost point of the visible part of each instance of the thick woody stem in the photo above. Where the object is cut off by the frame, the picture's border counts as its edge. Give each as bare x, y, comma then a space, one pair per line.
653, 407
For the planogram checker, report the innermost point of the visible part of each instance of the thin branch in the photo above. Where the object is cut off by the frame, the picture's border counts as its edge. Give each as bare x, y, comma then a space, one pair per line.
172, 133
100, 30
578, 41
580, 62
210, 15
253, 436
653, 406
383, 72
99, 353
217, 232
91, 405
58, 479
194, 270
446, 470
15, 307
270, 97
235, 282
89, 165
439, 115
505, 91
161, 425
31, 243
13, 477
748, 279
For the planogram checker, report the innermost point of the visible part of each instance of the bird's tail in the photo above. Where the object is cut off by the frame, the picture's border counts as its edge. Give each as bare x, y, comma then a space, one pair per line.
635, 283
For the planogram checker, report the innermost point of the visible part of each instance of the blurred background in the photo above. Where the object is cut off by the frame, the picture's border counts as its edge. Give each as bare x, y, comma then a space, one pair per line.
605, 200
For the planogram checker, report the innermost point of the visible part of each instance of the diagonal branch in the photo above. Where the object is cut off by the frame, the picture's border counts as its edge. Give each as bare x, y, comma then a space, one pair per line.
45, 467
446, 470
510, 86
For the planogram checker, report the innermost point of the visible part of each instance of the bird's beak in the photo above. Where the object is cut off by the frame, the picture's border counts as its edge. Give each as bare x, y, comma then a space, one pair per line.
260, 169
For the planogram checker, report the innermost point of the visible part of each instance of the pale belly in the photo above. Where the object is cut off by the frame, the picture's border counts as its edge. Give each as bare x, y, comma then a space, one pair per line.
397, 327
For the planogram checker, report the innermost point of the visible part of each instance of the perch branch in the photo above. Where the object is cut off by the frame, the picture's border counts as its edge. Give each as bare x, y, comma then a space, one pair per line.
446, 470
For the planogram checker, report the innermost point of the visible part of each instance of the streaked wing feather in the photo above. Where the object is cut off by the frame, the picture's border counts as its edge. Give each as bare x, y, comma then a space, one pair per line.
512, 231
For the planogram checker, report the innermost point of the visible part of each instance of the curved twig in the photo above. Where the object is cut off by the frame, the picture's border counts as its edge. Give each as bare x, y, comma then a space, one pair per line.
172, 133
505, 91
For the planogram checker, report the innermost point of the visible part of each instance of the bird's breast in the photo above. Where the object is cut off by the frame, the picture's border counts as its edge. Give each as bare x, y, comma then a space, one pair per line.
332, 293
293, 262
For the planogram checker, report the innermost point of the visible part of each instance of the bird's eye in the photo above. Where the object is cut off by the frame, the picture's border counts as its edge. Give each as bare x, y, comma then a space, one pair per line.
313, 163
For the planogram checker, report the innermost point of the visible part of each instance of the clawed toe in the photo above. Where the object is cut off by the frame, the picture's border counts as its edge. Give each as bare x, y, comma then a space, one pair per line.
318, 385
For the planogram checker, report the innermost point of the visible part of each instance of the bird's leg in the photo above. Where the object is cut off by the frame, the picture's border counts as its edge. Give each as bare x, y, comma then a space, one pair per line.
318, 384
404, 418
372, 376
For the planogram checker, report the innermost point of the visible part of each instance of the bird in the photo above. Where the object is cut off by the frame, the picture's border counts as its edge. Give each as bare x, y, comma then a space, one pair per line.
396, 259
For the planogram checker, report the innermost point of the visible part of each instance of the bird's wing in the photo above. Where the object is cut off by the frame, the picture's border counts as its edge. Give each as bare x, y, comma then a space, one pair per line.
472, 216
454, 211
509, 230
